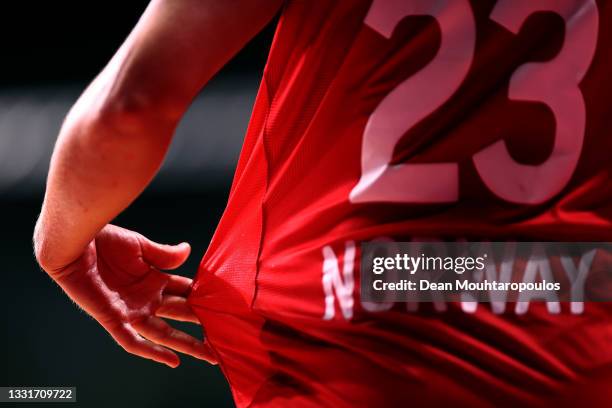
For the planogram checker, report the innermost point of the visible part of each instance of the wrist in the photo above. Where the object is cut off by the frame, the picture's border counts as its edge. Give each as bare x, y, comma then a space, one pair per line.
50, 253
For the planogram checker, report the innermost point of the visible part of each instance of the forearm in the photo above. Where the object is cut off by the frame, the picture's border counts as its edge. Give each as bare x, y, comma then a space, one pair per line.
115, 137
100, 164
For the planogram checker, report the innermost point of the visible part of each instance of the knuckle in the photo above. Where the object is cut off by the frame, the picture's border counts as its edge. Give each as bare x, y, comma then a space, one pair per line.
169, 332
130, 345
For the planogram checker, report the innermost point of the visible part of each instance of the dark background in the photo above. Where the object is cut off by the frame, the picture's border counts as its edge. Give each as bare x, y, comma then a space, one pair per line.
49, 51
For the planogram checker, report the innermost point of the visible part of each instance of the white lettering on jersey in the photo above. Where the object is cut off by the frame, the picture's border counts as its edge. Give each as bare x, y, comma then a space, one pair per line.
537, 263
342, 286
577, 278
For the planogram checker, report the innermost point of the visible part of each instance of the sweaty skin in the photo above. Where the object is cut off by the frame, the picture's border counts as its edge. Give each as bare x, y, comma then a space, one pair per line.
110, 146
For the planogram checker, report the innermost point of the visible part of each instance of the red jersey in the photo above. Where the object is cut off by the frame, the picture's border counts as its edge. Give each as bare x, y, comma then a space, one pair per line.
411, 119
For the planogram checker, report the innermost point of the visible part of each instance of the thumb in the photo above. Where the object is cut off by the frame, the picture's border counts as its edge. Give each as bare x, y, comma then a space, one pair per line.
164, 256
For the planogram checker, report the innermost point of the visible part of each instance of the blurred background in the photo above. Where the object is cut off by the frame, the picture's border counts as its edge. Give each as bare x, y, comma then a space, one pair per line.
49, 52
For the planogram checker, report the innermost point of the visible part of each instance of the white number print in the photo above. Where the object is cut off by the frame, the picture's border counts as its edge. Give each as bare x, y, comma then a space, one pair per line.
554, 83
413, 100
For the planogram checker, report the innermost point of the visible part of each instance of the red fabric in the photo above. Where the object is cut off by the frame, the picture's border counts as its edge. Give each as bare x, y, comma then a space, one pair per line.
259, 289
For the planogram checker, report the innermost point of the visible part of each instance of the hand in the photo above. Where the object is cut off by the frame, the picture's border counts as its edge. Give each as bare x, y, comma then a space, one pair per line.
117, 280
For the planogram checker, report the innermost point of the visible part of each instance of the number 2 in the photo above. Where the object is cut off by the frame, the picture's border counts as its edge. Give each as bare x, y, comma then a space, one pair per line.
554, 82
381, 181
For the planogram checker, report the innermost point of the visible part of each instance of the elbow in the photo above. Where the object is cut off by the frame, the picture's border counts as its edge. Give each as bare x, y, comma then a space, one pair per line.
120, 115
133, 113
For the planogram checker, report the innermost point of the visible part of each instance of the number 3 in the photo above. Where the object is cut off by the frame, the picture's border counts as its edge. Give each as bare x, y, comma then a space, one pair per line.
554, 82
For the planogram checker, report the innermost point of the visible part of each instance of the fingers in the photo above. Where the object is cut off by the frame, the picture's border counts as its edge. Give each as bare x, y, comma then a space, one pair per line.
157, 330
174, 303
178, 285
164, 256
176, 308
133, 343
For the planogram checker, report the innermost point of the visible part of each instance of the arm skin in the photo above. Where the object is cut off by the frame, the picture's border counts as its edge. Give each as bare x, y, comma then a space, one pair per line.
116, 135
113, 142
